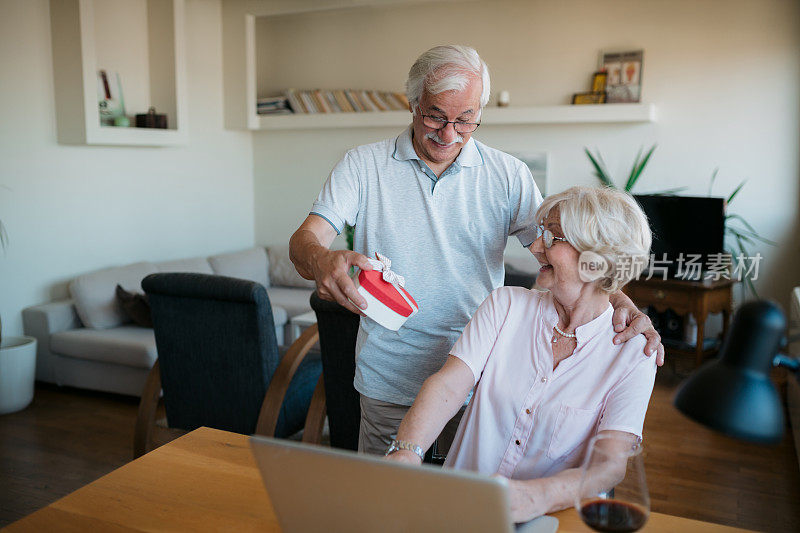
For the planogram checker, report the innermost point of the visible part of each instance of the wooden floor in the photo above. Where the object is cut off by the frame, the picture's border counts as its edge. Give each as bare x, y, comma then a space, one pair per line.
68, 438
696, 473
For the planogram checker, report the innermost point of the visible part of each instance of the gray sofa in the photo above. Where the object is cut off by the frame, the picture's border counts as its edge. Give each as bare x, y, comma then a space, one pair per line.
88, 342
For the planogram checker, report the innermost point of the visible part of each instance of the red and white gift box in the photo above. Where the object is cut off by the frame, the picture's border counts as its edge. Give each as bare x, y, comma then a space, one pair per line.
388, 303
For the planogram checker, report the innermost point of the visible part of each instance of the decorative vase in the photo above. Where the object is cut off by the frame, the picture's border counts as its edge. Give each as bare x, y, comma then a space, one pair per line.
17, 373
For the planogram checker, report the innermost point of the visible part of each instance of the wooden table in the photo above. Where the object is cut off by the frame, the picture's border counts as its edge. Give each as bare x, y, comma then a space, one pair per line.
696, 297
208, 480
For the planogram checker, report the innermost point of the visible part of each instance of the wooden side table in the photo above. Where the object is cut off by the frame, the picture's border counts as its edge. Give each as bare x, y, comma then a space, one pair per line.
696, 297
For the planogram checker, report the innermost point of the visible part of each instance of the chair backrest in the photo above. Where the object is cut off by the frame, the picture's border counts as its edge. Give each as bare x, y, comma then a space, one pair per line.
338, 328
216, 348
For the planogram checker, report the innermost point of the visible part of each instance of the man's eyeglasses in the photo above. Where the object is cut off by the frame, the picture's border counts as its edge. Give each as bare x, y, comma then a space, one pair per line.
437, 123
548, 238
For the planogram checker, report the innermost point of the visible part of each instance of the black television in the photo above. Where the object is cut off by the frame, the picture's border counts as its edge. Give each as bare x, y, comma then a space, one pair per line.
688, 225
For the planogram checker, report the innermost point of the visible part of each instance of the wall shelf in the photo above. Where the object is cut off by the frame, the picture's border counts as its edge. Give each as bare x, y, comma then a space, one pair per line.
109, 135
493, 116
75, 66
241, 79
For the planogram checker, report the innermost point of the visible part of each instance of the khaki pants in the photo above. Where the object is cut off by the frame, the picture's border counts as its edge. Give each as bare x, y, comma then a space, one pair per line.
379, 423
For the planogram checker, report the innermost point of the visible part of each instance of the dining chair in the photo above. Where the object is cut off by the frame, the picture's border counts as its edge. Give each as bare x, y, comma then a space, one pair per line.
219, 364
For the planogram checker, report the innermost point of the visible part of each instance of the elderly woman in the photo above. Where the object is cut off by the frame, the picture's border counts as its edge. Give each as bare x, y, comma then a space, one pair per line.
546, 374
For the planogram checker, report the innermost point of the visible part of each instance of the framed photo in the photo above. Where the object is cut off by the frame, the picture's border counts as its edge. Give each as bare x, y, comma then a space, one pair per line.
589, 98
599, 81
624, 75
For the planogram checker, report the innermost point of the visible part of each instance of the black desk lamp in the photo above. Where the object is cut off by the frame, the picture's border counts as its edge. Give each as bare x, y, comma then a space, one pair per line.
733, 394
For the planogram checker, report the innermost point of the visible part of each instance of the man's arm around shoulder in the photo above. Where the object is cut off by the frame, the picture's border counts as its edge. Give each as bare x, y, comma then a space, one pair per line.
629, 322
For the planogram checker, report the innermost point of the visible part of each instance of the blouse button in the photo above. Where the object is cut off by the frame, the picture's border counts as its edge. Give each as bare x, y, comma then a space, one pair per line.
517, 441
544, 380
528, 411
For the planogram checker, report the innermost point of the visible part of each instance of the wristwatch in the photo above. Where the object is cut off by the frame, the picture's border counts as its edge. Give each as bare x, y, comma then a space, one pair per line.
403, 445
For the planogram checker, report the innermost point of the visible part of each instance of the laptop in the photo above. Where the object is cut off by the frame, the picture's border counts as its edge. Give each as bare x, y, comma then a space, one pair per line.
314, 488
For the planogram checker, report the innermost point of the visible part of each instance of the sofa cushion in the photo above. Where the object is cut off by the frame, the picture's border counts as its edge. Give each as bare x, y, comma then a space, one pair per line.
282, 272
293, 301
95, 297
196, 265
136, 306
123, 345
250, 264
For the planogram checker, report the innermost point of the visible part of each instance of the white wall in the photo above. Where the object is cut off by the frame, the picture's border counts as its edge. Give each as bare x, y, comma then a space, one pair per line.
724, 74
72, 209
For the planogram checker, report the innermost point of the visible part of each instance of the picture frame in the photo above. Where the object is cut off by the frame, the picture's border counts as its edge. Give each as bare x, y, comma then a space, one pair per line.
589, 98
599, 80
623, 75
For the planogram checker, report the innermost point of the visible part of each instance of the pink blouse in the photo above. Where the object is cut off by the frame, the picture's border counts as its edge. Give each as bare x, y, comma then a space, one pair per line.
527, 420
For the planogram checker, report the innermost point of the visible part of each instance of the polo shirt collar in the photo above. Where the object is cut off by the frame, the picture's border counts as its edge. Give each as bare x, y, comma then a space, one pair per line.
470, 155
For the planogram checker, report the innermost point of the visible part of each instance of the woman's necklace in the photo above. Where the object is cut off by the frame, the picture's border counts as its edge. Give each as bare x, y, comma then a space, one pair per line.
558, 330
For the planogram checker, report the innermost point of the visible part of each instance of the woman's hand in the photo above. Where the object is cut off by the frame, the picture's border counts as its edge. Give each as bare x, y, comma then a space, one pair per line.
523, 503
404, 456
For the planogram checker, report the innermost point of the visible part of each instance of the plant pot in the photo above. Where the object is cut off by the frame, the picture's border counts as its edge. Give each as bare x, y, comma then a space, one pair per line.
17, 373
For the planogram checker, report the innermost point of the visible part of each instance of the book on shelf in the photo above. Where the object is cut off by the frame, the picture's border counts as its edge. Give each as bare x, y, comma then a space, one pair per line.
351, 98
321, 101
401, 97
370, 105
295, 103
397, 101
332, 101
271, 101
273, 105
275, 112
342, 100
378, 101
391, 101
308, 102
361, 102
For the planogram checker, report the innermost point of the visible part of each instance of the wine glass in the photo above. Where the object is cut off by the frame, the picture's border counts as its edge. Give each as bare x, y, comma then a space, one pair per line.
612, 495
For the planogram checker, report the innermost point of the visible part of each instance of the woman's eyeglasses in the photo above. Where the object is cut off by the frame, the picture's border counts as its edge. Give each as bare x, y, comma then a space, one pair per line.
548, 238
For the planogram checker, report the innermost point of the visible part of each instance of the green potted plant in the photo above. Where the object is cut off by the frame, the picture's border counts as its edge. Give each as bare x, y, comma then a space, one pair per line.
739, 234
602, 174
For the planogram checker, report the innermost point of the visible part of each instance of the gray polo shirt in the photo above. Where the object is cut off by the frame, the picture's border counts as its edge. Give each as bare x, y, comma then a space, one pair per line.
446, 236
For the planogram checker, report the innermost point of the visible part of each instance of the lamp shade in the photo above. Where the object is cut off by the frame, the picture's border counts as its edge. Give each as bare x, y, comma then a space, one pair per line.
733, 394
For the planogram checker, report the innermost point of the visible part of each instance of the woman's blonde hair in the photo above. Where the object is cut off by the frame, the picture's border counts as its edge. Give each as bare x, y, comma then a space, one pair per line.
607, 222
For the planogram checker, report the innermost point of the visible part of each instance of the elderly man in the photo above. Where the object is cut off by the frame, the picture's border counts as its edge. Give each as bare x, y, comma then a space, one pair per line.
441, 206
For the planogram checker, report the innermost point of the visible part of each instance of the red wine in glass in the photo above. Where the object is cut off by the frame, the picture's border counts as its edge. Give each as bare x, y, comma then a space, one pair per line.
612, 496
613, 516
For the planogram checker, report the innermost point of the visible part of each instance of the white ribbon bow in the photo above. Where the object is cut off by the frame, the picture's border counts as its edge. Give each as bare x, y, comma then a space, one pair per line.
384, 264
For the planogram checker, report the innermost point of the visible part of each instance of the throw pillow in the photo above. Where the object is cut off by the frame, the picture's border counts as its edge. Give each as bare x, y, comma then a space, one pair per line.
281, 269
136, 306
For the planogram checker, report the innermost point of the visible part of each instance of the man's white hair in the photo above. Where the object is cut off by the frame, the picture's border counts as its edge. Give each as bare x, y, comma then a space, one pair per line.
446, 68
608, 222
